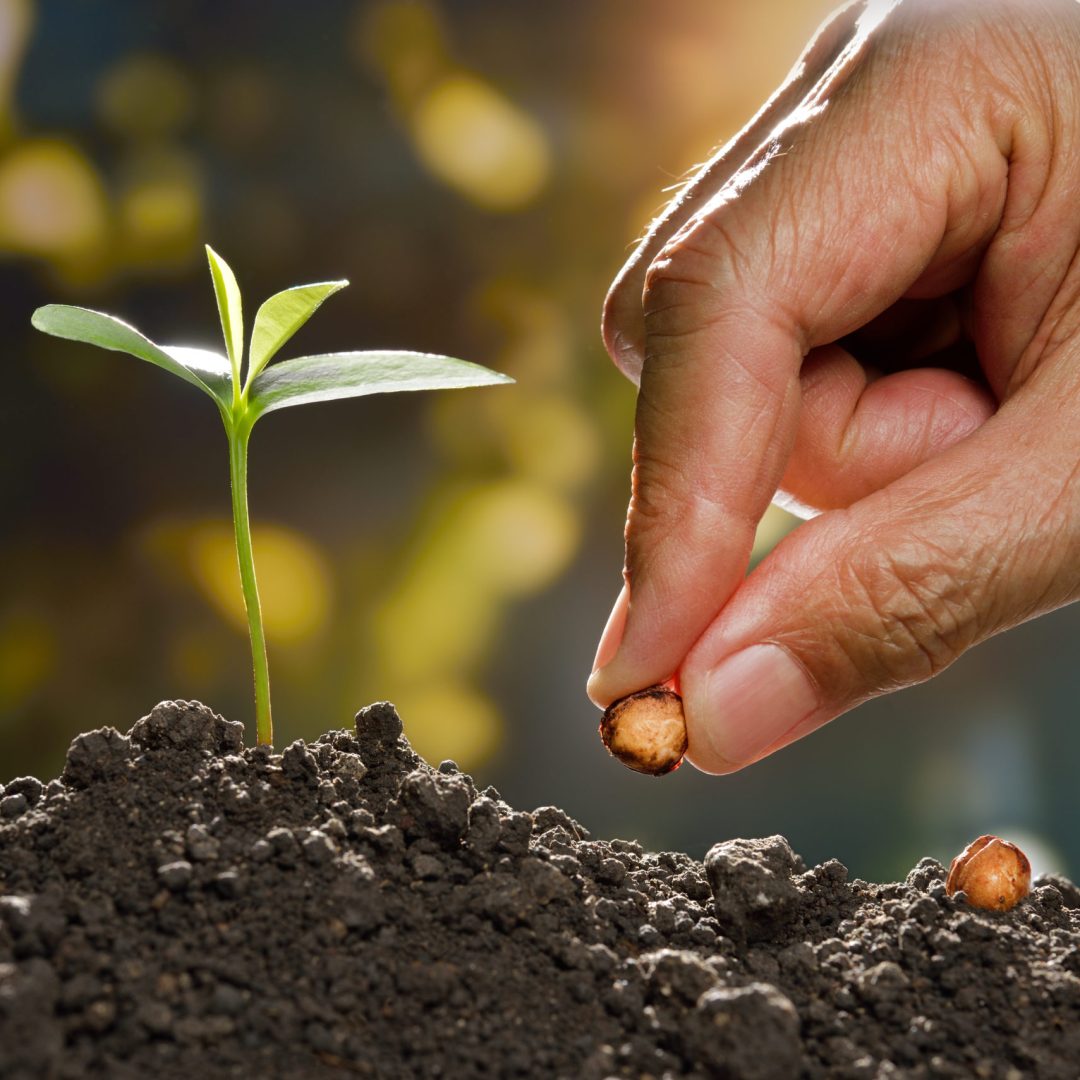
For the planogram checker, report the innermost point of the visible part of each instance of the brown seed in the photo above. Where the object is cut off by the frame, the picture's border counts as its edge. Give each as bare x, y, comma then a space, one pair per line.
646, 731
991, 873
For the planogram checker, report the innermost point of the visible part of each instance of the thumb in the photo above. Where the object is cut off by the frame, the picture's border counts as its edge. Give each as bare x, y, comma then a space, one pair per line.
890, 592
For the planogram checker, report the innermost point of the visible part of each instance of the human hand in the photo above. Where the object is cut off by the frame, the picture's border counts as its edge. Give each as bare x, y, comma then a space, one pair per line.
867, 305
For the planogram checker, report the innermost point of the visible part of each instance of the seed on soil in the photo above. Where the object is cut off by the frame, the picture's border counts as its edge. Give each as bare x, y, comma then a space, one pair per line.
992, 873
646, 731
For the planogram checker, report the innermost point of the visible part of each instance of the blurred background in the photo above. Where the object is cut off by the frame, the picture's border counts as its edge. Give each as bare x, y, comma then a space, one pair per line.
479, 171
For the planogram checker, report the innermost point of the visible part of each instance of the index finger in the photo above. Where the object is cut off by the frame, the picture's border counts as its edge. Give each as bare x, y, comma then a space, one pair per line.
623, 323
796, 252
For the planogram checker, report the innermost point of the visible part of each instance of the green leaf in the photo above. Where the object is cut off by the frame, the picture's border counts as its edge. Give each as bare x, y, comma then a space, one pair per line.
281, 316
229, 308
208, 371
208, 365
353, 374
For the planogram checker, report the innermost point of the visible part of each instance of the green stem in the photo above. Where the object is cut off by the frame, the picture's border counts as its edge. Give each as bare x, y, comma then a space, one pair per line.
238, 455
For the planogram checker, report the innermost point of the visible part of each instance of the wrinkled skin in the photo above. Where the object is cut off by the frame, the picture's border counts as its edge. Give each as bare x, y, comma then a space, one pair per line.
866, 306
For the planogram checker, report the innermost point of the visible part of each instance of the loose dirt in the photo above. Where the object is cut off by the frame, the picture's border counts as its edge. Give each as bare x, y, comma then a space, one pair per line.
175, 905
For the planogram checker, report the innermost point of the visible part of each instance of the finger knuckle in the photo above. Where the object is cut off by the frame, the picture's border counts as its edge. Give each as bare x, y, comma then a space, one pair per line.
621, 311
656, 495
654, 500
689, 276
920, 612
663, 505
673, 291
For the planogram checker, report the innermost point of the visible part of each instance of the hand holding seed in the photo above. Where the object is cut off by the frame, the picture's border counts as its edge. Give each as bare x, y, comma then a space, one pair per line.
866, 307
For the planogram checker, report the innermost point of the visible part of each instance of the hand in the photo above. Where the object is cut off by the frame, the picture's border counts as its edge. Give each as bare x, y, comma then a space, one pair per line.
867, 306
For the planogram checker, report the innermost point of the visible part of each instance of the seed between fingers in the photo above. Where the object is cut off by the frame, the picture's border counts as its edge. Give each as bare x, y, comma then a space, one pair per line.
646, 731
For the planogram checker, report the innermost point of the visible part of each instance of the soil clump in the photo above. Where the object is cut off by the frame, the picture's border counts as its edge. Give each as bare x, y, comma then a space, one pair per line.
177, 905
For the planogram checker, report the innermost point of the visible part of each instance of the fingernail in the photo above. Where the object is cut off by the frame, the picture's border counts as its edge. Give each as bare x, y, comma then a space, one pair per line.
613, 633
749, 701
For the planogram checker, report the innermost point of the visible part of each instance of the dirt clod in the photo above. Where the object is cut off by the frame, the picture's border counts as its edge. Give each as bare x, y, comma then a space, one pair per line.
179, 905
747, 1031
753, 886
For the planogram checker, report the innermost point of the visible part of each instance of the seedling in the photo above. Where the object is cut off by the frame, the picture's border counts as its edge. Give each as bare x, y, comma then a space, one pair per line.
243, 397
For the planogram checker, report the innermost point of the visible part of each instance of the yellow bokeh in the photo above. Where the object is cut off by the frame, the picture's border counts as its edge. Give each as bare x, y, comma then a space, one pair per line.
156, 210
473, 138
515, 536
27, 656
493, 543
294, 578
465, 131
551, 439
539, 334
544, 432
51, 201
403, 40
450, 720
145, 95
16, 19
160, 205
436, 623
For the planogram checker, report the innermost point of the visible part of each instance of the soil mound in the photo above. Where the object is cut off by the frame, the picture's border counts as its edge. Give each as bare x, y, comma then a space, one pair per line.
176, 905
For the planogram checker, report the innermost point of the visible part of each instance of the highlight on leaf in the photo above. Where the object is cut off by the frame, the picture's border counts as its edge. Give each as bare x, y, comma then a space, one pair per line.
206, 370
301, 381
354, 374
280, 317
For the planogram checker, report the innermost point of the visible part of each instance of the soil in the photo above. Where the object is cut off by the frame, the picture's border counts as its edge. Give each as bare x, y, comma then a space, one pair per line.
176, 905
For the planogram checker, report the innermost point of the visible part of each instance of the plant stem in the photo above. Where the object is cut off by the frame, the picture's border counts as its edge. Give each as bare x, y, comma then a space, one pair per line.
238, 456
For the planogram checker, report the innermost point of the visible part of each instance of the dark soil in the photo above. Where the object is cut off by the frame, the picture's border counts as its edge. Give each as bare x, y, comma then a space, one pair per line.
177, 906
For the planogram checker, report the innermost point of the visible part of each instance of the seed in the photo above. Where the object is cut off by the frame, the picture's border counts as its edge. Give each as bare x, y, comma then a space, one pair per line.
991, 873
646, 731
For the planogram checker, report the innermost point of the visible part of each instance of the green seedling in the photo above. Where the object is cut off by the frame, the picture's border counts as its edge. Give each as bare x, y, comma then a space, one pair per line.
242, 398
